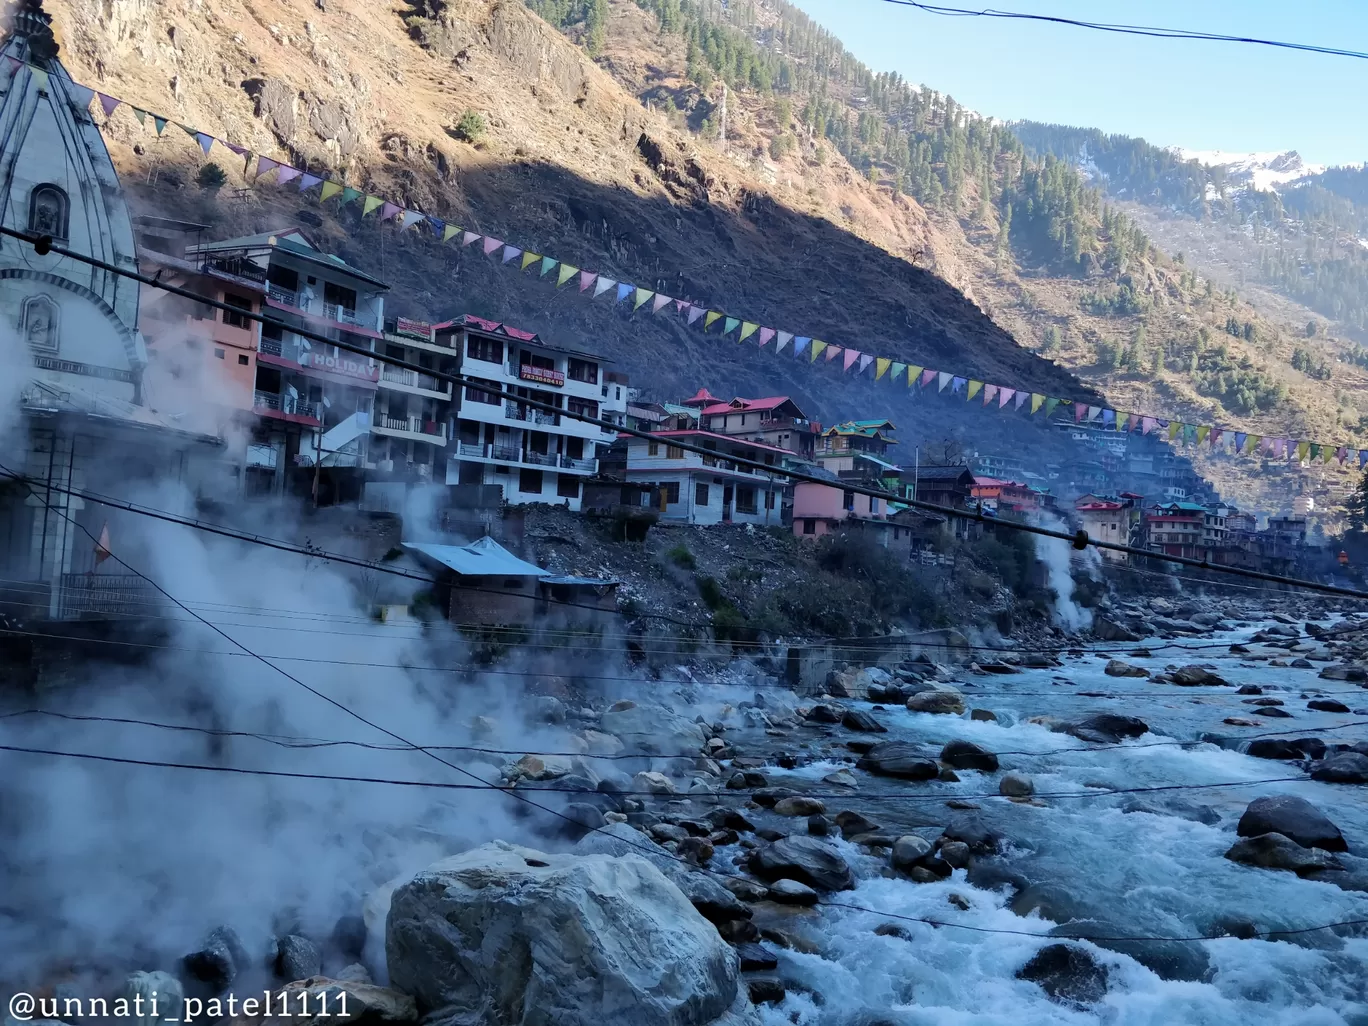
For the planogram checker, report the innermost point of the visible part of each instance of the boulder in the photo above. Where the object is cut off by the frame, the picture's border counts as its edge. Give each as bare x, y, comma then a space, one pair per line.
972, 831
747, 778
1196, 677
909, 850
167, 990
653, 730
983, 715
765, 990
1067, 973
1180, 808
858, 719
747, 889
501, 933
1168, 959
772, 796
799, 805
1353, 673
791, 892
756, 957
364, 1001
1274, 851
1016, 785
955, 853
967, 755
1117, 668
1342, 768
297, 958
1107, 728
819, 826
1292, 817
852, 823
218, 962
1327, 705
1109, 630
941, 700
1272, 712
808, 860
653, 783
899, 759
841, 778
547, 709
1273, 748
823, 713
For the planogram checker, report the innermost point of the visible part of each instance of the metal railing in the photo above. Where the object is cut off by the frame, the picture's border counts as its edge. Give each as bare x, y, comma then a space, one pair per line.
270, 346
82, 596
283, 295
540, 459
517, 411
414, 379
412, 425
577, 463
284, 404
345, 315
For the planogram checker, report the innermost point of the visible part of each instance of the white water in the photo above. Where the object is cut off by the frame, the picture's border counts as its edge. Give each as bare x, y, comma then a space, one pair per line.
1153, 875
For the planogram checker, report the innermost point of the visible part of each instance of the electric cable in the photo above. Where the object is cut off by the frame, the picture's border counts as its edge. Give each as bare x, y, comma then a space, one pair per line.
44, 244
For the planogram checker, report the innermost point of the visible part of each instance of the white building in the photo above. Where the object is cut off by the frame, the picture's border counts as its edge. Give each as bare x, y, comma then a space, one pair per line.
413, 410
70, 350
535, 456
314, 401
697, 489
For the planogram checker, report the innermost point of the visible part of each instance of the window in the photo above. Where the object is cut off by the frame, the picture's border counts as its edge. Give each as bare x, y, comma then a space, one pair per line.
48, 210
672, 492
652, 448
745, 500
848, 502
242, 359
809, 526
568, 487
700, 495
584, 407
337, 295
530, 481
233, 319
488, 349
219, 354
479, 395
583, 370
673, 452
769, 500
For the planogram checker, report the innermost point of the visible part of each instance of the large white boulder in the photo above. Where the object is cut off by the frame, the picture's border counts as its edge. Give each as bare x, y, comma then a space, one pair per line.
511, 935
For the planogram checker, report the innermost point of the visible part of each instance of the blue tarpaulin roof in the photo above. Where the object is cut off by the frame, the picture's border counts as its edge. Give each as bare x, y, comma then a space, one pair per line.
483, 558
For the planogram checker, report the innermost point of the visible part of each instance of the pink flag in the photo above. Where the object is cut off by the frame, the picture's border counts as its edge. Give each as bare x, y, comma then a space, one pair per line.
927, 377
695, 312
1266, 446
1079, 412
989, 392
586, 279
850, 357
287, 174
1341, 454
490, 245
681, 305
831, 353
1148, 424
766, 334
1005, 396
470, 237
659, 302
109, 104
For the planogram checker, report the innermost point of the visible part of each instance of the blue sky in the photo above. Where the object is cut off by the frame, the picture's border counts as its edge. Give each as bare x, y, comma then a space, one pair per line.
1200, 95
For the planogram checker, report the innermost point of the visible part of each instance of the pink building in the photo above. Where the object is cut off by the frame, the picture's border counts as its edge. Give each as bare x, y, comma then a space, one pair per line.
819, 509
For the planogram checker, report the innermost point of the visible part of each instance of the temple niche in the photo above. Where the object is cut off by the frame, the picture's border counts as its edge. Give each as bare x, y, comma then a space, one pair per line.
39, 327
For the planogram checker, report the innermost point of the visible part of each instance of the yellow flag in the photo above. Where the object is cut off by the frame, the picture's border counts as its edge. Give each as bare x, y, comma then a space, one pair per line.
974, 387
1327, 453
747, 329
566, 273
1202, 432
528, 260
1252, 443
914, 375
330, 189
449, 231
1174, 428
881, 366
710, 319
372, 203
642, 296
817, 346
1037, 400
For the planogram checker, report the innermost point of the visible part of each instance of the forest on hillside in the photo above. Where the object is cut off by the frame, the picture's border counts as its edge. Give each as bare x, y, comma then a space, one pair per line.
1304, 239
917, 142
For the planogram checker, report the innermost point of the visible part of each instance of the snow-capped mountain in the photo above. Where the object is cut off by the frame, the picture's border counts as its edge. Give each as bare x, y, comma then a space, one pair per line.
1262, 171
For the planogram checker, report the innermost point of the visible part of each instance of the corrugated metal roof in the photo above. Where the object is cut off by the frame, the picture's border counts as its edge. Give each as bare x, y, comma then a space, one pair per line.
597, 582
483, 558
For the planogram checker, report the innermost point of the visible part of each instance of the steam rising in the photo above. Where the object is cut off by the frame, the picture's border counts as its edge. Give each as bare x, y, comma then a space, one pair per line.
1058, 557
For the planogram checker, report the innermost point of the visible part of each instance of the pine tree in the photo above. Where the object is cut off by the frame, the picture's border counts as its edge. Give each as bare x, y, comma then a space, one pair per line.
1356, 507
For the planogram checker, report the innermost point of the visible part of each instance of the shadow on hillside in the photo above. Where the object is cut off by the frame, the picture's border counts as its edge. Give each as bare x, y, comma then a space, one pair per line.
745, 254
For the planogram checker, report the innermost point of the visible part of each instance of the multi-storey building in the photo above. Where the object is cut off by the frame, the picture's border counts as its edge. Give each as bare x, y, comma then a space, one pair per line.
1175, 529
314, 401
411, 429
776, 421
711, 489
534, 455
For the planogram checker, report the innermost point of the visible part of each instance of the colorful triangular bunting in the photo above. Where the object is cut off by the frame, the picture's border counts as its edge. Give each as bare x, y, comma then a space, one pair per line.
881, 366
642, 296
604, 285
546, 265
565, 273
817, 346
748, 329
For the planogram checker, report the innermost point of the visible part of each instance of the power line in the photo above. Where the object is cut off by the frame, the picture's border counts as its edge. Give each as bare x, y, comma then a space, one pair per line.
294, 741
1080, 539
397, 737
1129, 30
1190, 693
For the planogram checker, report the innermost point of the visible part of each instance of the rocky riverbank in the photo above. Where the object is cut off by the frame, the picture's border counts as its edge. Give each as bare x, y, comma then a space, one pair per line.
1167, 823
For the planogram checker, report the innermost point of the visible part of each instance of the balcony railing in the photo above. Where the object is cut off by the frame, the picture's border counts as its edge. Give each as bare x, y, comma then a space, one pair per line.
285, 404
345, 315
572, 463
283, 295
517, 411
540, 459
270, 346
413, 379
511, 454
412, 425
